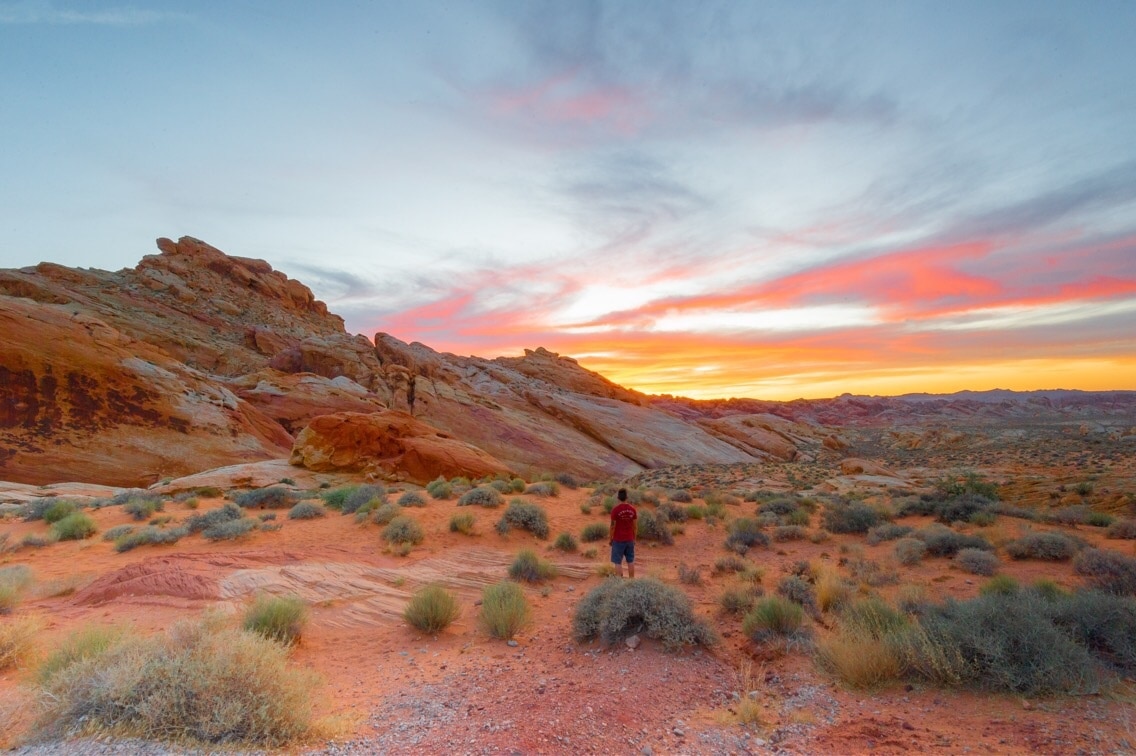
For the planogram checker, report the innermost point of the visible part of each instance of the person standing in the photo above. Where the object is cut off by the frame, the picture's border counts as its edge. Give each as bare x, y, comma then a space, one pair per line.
621, 534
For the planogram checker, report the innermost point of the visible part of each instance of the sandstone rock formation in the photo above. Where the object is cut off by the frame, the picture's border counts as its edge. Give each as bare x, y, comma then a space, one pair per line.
389, 445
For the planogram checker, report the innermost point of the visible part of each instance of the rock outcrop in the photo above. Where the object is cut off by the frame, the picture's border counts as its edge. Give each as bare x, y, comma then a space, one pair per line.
391, 445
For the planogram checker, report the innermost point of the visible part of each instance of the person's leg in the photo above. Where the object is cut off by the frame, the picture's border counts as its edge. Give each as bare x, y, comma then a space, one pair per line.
630, 553
617, 556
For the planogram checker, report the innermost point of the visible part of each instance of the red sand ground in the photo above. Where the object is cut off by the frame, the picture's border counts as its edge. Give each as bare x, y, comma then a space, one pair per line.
388, 688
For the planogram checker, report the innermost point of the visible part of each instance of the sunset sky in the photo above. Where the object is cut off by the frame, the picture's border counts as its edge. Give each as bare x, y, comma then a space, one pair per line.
766, 199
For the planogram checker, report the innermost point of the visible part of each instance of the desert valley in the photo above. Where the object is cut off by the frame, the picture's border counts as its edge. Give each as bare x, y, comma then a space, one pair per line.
185, 439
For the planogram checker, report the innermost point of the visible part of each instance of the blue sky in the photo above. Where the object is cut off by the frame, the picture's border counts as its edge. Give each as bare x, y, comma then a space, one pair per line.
771, 199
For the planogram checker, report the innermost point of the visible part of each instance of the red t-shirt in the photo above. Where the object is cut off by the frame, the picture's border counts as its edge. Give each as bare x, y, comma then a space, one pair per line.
623, 517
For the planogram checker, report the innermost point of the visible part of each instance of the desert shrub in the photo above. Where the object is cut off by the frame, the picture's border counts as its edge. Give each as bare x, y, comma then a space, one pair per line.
482, 496
568, 480
1005, 642
198, 682
738, 599
384, 513
1100, 520
17, 639
1108, 571
983, 519
1084, 488
74, 527
977, 561
504, 609
462, 522
432, 609
503, 486
544, 488
306, 510
566, 542
971, 483
594, 531
608, 504
529, 567
152, 536
784, 533
743, 534
278, 618
368, 497
850, 517
873, 618
142, 507
799, 591
651, 528
668, 512
1000, 584
1049, 547
833, 591
38, 541
118, 531
680, 496
1075, 515
773, 616
401, 530
272, 497
942, 541
35, 510
59, 509
526, 516
888, 531
962, 508
411, 499
1125, 529
229, 530
1103, 623
910, 551
199, 522
1049, 589
689, 575
695, 512
864, 653
730, 563
617, 609
13, 581
781, 506
440, 488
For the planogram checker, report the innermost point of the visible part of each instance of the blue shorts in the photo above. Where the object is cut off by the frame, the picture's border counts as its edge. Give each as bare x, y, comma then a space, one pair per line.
620, 549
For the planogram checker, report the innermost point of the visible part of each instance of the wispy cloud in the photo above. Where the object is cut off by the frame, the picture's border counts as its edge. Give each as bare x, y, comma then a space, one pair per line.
42, 12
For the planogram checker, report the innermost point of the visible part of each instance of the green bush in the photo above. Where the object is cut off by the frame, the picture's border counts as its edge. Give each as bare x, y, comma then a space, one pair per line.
199, 522
198, 683
462, 523
696, 512
229, 530
1107, 571
888, 531
773, 616
74, 527
850, 517
504, 609
544, 488
412, 499
521, 514
142, 507
594, 531
402, 529
617, 609
648, 527
743, 534
432, 609
482, 496
1100, 520
1049, 547
739, 599
999, 584
266, 498
278, 618
532, 569
977, 561
58, 510
942, 541
151, 535
363, 497
566, 542
305, 510
440, 488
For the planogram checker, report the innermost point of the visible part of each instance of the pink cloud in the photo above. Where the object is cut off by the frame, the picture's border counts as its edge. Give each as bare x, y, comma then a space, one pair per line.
566, 100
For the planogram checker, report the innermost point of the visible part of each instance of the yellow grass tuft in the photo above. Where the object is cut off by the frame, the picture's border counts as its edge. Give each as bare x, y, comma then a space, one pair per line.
17, 639
859, 661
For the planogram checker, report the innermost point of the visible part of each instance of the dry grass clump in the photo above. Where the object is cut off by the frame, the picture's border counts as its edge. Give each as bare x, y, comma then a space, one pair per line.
17, 640
200, 682
977, 561
463, 523
432, 609
688, 575
14, 580
617, 609
865, 652
543, 488
504, 609
594, 531
529, 567
566, 542
739, 599
278, 618
1049, 547
833, 591
773, 617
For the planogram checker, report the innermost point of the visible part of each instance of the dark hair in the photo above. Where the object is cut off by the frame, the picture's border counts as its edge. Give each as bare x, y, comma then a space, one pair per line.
622, 494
